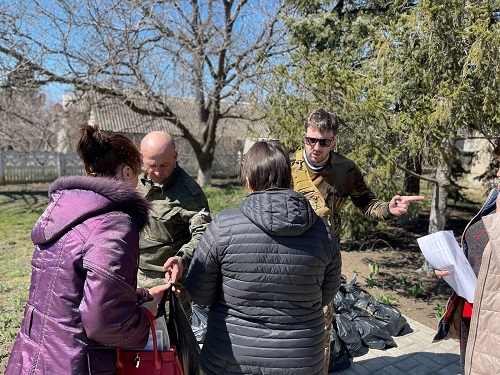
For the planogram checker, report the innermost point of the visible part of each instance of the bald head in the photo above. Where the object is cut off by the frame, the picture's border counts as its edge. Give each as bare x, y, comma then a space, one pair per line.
158, 155
157, 141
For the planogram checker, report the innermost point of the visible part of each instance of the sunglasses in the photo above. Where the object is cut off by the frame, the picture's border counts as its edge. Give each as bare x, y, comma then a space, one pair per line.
323, 142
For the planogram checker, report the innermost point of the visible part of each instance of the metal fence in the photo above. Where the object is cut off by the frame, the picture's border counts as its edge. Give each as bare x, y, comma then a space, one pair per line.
17, 167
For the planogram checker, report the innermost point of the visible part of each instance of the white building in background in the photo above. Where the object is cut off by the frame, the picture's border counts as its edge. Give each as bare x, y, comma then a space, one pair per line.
478, 163
241, 123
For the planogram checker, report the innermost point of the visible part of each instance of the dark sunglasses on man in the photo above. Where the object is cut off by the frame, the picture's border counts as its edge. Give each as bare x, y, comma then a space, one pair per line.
323, 142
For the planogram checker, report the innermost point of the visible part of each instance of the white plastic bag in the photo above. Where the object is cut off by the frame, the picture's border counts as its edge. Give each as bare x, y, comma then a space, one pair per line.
161, 330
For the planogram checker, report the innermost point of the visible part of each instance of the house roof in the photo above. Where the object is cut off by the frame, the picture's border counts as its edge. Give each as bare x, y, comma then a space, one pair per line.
112, 114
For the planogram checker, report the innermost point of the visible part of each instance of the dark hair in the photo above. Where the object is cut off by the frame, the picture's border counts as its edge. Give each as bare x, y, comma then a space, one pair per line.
323, 121
103, 153
496, 150
267, 165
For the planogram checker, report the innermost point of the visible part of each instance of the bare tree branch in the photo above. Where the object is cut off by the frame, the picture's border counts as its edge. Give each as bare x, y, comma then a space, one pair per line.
210, 50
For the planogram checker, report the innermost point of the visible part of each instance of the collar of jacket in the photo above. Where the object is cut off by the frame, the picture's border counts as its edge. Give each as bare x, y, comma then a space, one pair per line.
168, 182
313, 168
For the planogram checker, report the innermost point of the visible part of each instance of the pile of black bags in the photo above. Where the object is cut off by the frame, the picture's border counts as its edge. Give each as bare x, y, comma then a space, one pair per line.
359, 323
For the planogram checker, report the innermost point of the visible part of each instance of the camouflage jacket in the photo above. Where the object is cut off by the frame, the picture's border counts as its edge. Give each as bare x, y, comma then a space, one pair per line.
338, 180
178, 217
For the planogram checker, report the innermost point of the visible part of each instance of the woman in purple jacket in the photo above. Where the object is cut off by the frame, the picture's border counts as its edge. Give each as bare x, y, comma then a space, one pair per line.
83, 300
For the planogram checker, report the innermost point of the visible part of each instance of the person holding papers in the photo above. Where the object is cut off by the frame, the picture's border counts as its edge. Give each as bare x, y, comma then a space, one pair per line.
478, 245
482, 355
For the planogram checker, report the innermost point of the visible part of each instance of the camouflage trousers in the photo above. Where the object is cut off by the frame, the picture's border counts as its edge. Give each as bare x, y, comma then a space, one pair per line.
149, 279
327, 310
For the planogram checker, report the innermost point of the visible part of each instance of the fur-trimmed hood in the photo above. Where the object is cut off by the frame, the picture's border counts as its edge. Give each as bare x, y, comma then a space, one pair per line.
74, 199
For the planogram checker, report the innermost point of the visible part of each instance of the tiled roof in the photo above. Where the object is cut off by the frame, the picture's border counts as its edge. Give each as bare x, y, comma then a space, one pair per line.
113, 115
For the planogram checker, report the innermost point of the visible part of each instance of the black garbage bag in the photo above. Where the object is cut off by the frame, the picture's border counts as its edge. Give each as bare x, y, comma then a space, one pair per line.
339, 302
352, 292
339, 355
348, 333
388, 314
373, 332
199, 318
181, 334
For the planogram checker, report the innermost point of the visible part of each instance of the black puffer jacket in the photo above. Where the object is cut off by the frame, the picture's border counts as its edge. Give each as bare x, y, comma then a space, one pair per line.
266, 269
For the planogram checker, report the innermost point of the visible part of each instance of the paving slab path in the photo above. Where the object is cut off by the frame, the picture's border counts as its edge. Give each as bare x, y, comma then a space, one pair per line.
415, 354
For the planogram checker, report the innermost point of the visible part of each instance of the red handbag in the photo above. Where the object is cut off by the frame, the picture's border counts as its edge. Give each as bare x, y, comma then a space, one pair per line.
140, 362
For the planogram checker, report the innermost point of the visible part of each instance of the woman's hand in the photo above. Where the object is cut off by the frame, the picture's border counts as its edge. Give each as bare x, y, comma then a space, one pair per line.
154, 298
157, 291
441, 273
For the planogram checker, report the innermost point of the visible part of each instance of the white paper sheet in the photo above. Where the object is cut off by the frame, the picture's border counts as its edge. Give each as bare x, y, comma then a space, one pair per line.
442, 251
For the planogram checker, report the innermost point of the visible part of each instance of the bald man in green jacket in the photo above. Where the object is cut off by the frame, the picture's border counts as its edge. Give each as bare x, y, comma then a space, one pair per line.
178, 217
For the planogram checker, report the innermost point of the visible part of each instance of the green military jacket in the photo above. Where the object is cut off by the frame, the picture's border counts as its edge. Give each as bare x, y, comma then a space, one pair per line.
178, 217
331, 186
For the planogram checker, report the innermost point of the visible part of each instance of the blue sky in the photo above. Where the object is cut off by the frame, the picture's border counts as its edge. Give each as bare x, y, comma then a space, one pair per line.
85, 49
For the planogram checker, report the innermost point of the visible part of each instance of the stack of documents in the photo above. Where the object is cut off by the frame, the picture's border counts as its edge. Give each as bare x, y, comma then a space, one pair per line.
443, 252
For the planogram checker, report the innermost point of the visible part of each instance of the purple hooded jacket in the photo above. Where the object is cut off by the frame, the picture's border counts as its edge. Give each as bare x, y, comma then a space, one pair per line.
83, 300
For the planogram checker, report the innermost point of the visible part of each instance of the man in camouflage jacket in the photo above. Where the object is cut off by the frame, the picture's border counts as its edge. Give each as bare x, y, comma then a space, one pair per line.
178, 217
328, 179
338, 180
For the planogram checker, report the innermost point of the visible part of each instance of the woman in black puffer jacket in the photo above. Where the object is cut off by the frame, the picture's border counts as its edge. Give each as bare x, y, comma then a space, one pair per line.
266, 269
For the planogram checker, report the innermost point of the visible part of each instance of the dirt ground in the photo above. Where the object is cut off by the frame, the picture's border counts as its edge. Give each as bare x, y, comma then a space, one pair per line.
396, 252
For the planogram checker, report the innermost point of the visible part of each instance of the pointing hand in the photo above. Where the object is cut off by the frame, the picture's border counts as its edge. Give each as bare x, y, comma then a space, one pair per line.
399, 203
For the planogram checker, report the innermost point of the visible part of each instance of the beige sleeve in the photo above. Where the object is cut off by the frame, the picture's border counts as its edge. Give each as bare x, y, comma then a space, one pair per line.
492, 224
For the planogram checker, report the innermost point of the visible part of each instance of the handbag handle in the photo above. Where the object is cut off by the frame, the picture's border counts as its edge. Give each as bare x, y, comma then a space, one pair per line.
156, 355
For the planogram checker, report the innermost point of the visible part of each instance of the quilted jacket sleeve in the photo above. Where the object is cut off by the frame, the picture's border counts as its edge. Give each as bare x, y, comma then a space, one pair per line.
492, 224
481, 350
331, 282
203, 279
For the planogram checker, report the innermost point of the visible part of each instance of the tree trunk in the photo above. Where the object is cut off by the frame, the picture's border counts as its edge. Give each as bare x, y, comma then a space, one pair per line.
205, 161
412, 183
437, 217
204, 177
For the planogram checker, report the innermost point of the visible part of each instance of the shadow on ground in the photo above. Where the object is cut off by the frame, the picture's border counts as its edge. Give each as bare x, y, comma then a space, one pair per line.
34, 196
